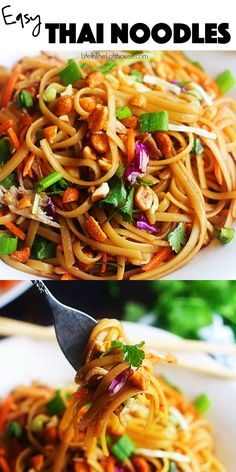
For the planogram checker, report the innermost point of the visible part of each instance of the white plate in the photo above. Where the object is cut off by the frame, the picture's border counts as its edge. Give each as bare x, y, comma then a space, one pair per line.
47, 364
8, 295
215, 261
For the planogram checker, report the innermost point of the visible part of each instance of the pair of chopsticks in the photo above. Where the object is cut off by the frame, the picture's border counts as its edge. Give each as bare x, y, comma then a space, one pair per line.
10, 327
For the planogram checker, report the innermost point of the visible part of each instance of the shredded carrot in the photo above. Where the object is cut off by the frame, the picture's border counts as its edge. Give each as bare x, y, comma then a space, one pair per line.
37, 462
43, 168
24, 121
161, 256
130, 145
5, 410
110, 464
71, 194
22, 134
4, 126
141, 464
15, 230
81, 467
60, 247
218, 173
4, 467
28, 166
14, 139
104, 262
50, 434
12, 81
81, 394
67, 277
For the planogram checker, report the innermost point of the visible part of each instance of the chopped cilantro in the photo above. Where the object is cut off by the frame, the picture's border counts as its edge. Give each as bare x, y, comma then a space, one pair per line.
118, 199
132, 353
197, 147
142, 181
177, 238
172, 467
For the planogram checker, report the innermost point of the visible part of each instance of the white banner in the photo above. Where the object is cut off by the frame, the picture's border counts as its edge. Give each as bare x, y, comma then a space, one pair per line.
124, 25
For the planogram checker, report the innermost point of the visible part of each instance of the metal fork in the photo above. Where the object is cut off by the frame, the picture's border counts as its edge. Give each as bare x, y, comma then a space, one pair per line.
72, 327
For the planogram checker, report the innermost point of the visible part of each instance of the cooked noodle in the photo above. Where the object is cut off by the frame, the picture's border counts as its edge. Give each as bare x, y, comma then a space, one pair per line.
68, 430
94, 151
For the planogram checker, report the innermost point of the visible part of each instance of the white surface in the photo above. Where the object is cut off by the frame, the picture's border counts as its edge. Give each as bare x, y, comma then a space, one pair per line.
47, 364
216, 261
10, 294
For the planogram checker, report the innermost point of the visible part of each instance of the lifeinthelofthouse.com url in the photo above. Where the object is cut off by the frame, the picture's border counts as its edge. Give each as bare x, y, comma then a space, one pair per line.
113, 55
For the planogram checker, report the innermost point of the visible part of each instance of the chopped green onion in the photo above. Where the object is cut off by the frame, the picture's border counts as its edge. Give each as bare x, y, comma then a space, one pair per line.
5, 151
38, 423
14, 429
225, 81
202, 403
8, 244
107, 67
197, 147
154, 121
56, 406
225, 235
35, 204
172, 467
71, 73
123, 448
137, 75
123, 112
43, 249
48, 181
8, 181
50, 94
24, 99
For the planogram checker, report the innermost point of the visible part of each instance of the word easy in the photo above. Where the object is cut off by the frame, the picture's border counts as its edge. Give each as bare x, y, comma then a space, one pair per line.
23, 19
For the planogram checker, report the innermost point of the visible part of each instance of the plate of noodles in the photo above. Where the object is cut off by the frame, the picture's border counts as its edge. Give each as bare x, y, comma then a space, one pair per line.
121, 415
11, 289
118, 169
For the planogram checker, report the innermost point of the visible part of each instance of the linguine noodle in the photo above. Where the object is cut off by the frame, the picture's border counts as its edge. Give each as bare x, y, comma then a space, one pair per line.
115, 403
122, 191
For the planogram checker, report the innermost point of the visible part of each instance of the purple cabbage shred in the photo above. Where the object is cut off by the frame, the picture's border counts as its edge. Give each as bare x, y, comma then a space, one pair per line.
138, 166
144, 224
119, 381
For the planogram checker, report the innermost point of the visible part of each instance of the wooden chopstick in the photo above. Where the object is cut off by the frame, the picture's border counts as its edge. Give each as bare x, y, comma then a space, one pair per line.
10, 327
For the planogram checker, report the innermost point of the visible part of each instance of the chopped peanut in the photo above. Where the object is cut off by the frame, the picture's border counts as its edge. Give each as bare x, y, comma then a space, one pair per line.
141, 464
143, 197
71, 194
97, 120
22, 255
67, 276
138, 100
50, 133
131, 122
81, 467
100, 192
50, 434
95, 79
104, 164
164, 143
95, 230
37, 462
63, 105
88, 103
140, 379
100, 142
24, 202
88, 153
8, 198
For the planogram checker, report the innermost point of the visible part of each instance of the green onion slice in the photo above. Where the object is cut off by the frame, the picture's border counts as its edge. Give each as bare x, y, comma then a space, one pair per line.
154, 121
123, 112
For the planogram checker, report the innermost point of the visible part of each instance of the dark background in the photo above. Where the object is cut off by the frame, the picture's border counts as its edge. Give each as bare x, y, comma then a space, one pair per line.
98, 299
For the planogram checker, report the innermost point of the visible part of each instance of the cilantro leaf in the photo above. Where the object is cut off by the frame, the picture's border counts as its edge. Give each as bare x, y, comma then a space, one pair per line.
127, 209
58, 187
132, 353
197, 147
117, 195
177, 238
118, 199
